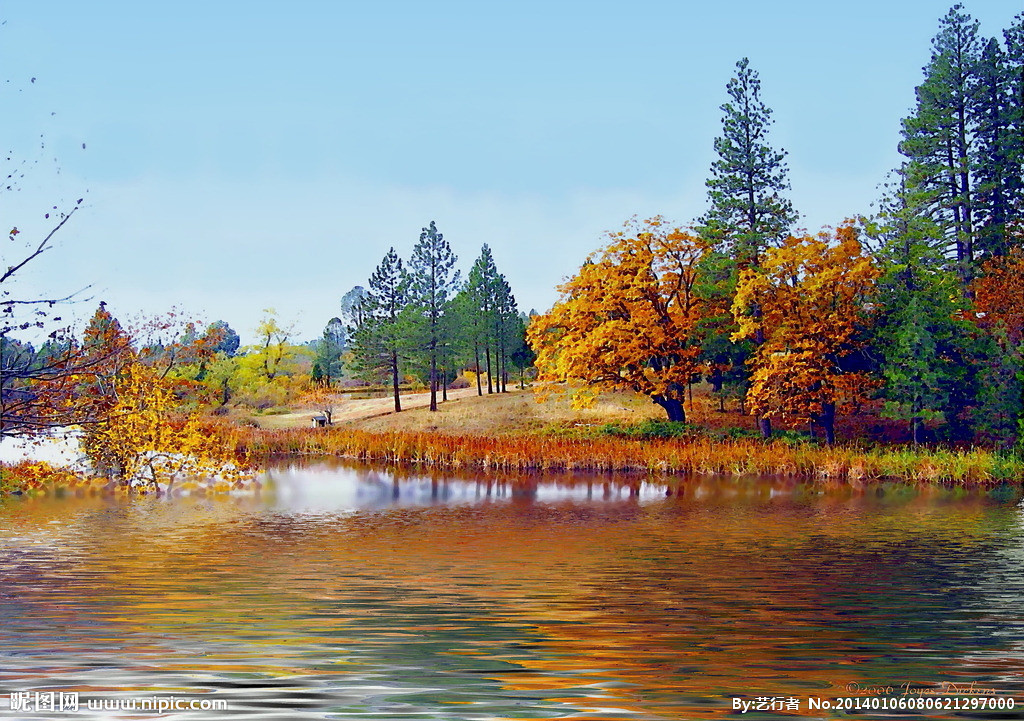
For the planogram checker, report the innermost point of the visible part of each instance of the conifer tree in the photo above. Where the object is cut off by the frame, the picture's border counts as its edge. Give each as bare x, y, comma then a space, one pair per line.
327, 361
1014, 63
939, 138
748, 211
994, 167
382, 337
433, 283
481, 287
920, 335
506, 314
746, 189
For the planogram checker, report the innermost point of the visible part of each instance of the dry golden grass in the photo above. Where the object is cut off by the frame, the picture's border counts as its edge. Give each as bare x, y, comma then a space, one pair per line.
508, 414
519, 412
514, 432
663, 457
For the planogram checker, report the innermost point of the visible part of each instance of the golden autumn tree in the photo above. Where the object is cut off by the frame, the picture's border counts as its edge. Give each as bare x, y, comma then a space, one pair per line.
134, 412
147, 438
628, 319
811, 300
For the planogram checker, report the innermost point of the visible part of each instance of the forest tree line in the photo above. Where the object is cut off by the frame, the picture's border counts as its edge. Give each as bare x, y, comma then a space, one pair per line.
421, 318
919, 305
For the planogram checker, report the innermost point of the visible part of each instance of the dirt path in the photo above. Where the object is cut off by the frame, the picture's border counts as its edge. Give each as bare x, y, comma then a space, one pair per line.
352, 409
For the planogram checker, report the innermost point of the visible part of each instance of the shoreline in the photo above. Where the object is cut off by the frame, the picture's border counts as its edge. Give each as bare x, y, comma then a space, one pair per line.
700, 456
53, 465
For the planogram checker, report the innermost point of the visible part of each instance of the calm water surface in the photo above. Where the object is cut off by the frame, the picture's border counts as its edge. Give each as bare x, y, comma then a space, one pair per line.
349, 593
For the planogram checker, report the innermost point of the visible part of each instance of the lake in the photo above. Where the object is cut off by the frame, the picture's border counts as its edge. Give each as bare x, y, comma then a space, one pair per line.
345, 592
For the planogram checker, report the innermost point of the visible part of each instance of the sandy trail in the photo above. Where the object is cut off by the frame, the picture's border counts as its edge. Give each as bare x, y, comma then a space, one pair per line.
353, 409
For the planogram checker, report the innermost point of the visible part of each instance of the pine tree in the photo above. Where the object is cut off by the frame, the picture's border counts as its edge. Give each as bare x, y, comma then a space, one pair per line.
939, 138
432, 285
481, 287
748, 211
998, 177
1014, 60
464, 318
506, 313
920, 333
382, 337
521, 355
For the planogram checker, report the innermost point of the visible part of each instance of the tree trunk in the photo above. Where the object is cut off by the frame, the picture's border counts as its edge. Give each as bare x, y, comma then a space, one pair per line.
433, 380
765, 426
828, 422
394, 381
917, 430
444, 381
487, 357
673, 407
476, 360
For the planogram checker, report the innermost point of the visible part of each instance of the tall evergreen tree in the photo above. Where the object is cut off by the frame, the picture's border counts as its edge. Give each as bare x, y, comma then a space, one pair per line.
997, 177
383, 336
747, 185
920, 335
522, 355
1014, 59
506, 317
748, 211
433, 283
939, 138
481, 287
465, 318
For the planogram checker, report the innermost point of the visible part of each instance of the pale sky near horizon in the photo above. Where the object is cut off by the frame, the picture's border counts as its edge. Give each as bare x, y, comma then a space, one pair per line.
246, 155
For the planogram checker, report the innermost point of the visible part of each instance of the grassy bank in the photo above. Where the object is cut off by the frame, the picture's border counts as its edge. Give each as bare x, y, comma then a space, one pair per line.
622, 434
624, 455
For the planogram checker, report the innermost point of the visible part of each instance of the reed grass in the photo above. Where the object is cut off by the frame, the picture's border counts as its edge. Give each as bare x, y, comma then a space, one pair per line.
670, 456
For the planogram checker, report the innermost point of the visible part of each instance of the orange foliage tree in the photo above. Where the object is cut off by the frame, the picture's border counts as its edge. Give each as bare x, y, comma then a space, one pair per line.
809, 300
628, 319
999, 301
999, 294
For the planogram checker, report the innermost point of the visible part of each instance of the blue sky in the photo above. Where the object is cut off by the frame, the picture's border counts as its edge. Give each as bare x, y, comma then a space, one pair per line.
240, 156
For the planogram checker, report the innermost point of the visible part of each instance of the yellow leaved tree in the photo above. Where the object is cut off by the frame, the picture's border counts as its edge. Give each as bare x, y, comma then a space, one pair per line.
629, 318
810, 302
146, 438
137, 413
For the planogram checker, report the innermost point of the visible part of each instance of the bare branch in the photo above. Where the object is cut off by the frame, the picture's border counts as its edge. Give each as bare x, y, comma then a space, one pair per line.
43, 246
